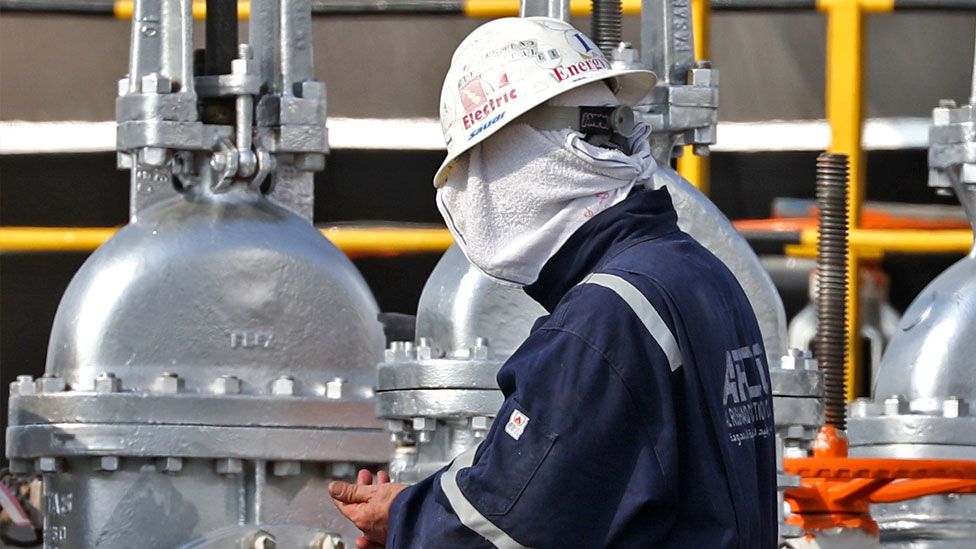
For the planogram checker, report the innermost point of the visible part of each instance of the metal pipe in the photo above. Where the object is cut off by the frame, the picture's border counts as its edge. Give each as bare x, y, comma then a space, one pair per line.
832, 258
354, 241
607, 24
557, 9
471, 8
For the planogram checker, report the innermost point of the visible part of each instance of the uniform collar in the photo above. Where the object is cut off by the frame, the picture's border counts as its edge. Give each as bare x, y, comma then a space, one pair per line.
642, 216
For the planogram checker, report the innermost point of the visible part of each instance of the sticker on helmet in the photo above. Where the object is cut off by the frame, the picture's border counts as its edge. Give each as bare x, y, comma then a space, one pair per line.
548, 57
581, 43
568, 72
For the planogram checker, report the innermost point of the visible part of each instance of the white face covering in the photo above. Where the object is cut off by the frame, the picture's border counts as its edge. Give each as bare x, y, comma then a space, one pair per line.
514, 200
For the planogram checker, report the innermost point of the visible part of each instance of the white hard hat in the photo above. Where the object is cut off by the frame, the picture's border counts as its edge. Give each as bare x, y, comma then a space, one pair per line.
509, 66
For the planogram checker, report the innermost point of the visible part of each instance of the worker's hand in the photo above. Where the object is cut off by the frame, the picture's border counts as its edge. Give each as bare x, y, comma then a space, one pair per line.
367, 505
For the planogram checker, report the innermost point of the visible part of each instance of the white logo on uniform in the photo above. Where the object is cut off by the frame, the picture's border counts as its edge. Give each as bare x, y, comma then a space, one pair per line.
516, 424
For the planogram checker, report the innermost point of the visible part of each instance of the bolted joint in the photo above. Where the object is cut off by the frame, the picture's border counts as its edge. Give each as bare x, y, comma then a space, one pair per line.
798, 359
399, 350
228, 466
227, 385
170, 464
168, 383
106, 382
896, 405
860, 408
310, 89
263, 540
953, 407
156, 83
49, 464
49, 383
153, 156
329, 541
107, 463
343, 469
480, 351
286, 468
24, 385
283, 386
333, 389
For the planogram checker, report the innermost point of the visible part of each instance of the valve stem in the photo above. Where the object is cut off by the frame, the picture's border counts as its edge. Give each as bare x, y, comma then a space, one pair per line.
832, 261
607, 24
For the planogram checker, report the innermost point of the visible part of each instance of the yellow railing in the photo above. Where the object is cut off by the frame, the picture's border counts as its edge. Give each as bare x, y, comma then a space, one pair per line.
354, 241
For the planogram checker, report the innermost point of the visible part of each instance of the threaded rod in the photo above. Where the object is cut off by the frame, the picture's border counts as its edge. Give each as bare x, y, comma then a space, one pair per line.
607, 24
832, 260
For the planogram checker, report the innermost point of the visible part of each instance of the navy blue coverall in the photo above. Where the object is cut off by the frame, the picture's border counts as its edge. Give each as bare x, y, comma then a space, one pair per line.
637, 413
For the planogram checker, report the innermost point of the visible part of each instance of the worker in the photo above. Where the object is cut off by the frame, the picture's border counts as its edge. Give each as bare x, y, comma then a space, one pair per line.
638, 412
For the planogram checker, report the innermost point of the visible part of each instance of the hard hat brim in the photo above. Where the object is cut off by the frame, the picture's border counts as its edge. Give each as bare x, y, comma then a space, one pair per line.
633, 85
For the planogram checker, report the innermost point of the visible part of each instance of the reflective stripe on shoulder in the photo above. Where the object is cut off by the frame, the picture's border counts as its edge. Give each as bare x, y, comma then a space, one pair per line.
646, 312
466, 512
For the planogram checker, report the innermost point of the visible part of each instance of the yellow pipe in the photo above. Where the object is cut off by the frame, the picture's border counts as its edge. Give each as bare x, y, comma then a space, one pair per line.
354, 241
510, 8
877, 242
124, 9
692, 167
472, 8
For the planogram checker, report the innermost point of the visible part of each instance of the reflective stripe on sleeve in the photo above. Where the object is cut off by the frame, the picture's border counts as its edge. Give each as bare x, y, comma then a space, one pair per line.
466, 512
646, 312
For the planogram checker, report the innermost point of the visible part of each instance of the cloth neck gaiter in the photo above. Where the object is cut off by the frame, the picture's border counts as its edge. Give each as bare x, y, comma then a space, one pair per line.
516, 198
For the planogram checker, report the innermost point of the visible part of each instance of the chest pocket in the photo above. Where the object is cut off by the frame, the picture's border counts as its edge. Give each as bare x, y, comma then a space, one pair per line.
522, 440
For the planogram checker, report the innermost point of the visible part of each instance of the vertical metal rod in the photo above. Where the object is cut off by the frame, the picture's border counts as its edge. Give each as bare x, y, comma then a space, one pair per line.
607, 24
557, 9
972, 94
221, 39
831, 344
692, 167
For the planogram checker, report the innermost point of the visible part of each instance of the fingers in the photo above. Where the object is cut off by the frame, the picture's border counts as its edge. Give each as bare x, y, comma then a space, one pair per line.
345, 492
364, 477
382, 477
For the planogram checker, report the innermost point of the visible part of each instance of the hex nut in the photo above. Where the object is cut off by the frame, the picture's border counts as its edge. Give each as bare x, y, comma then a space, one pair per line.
50, 384
228, 466
106, 382
333, 389
343, 469
156, 83
227, 385
424, 424
286, 468
168, 383
896, 405
263, 540
329, 541
48, 464
107, 463
24, 385
20, 466
284, 385
860, 407
954, 407
170, 464
480, 423
480, 351
310, 89
394, 425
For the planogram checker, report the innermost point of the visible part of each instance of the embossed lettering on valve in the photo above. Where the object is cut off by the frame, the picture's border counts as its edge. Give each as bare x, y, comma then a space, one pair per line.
682, 26
244, 339
57, 504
